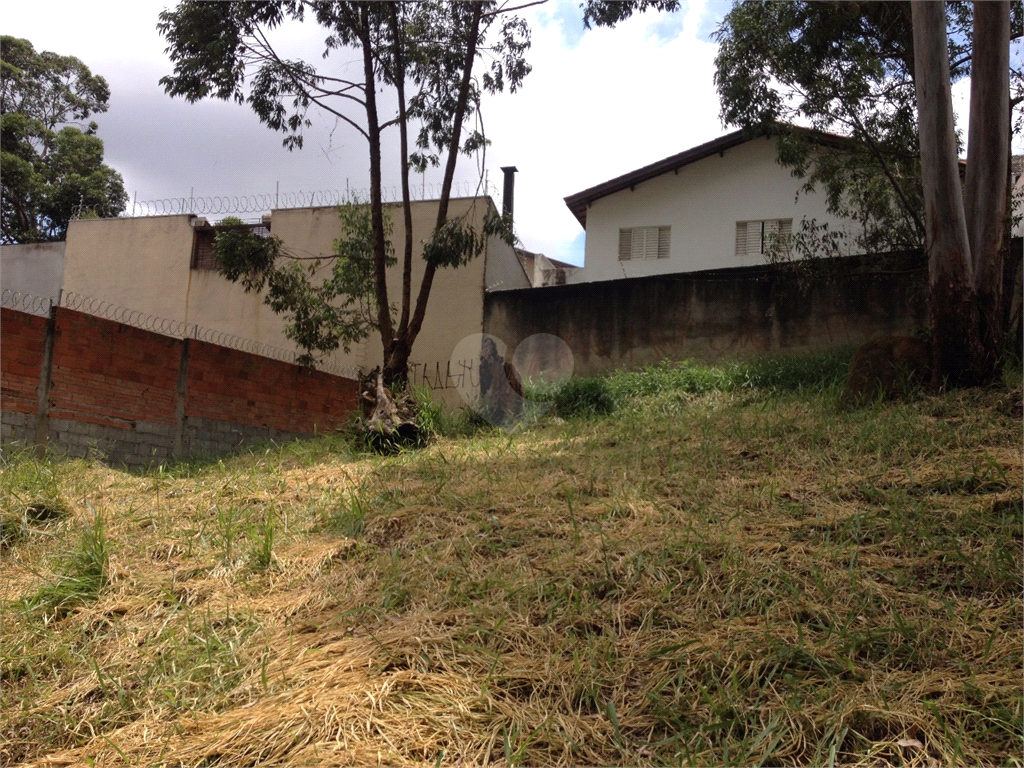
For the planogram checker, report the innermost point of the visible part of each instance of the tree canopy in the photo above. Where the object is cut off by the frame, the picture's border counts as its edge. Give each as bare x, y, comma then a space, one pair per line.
845, 68
426, 54
52, 160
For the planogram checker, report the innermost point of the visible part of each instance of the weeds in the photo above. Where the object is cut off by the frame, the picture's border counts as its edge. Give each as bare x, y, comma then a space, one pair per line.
698, 578
602, 395
79, 577
30, 497
261, 555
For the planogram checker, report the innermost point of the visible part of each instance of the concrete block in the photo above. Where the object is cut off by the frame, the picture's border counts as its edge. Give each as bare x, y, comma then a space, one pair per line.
149, 428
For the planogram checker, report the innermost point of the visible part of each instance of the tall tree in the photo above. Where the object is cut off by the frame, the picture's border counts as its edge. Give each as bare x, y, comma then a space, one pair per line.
845, 68
853, 69
52, 160
425, 52
965, 228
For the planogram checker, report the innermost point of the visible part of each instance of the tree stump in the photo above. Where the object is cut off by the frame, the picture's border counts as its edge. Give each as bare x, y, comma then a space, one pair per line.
888, 367
389, 423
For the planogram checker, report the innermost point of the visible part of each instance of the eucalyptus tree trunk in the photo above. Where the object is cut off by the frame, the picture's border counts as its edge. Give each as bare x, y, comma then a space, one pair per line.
986, 187
956, 344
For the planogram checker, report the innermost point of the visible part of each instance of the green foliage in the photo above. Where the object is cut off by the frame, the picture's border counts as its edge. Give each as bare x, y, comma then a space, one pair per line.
602, 395
323, 312
29, 497
430, 415
261, 554
608, 13
79, 577
584, 397
843, 68
51, 173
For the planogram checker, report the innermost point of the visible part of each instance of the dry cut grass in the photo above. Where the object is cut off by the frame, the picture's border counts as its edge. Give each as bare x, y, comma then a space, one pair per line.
699, 580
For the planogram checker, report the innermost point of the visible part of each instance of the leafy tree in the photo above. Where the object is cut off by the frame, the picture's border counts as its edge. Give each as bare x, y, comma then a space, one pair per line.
51, 170
850, 68
426, 53
845, 68
608, 13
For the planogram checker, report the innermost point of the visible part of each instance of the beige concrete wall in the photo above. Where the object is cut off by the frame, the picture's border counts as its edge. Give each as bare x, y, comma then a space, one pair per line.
504, 271
455, 308
702, 203
144, 264
32, 268
140, 263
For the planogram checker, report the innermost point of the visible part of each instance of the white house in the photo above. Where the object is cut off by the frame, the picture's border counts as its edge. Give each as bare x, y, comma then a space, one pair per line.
715, 206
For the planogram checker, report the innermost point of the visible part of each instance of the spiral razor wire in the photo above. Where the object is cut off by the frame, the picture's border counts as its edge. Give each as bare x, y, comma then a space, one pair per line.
222, 205
41, 306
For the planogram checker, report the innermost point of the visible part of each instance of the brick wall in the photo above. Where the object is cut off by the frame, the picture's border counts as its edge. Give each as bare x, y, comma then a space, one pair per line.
22, 337
21, 343
112, 374
137, 397
258, 391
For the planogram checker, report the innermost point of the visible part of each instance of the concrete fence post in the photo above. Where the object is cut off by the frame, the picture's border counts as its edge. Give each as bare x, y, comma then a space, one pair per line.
43, 390
181, 391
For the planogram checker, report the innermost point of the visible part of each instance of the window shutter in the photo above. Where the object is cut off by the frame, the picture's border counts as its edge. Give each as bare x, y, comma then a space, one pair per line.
625, 244
755, 232
664, 236
770, 238
639, 243
741, 238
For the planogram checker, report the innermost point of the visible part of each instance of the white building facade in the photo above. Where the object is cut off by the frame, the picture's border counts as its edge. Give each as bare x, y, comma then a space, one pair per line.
716, 206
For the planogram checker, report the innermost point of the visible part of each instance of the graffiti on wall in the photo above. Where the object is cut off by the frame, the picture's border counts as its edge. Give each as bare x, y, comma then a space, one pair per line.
452, 374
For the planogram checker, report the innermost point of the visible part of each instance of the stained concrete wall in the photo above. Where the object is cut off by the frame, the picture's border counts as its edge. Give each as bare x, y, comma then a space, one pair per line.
33, 268
709, 316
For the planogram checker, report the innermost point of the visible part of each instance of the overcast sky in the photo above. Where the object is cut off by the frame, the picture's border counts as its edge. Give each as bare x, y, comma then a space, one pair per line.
598, 103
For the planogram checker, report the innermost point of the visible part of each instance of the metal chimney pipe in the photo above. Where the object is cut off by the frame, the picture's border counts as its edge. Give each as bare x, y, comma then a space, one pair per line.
508, 194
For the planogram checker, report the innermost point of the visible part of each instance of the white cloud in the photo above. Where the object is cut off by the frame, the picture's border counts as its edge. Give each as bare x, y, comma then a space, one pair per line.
619, 99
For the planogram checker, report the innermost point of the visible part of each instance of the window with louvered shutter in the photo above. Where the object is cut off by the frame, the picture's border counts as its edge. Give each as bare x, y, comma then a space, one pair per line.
625, 244
741, 238
664, 240
754, 238
639, 243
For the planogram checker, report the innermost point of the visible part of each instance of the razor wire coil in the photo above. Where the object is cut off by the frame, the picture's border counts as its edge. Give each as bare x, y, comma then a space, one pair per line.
223, 205
179, 329
26, 302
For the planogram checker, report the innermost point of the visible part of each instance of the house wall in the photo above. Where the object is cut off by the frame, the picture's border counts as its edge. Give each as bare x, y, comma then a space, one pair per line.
504, 271
138, 396
143, 264
138, 263
702, 203
33, 268
735, 314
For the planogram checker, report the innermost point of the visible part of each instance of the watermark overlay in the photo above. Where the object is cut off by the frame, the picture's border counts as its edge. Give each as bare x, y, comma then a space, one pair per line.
512, 390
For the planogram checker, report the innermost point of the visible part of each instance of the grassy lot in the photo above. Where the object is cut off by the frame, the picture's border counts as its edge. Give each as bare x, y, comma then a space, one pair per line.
724, 570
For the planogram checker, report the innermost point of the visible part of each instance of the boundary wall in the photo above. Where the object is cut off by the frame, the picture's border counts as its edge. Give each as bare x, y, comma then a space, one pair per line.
732, 314
79, 383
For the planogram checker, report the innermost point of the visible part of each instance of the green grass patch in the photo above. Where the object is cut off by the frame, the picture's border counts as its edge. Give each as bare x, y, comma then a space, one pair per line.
724, 570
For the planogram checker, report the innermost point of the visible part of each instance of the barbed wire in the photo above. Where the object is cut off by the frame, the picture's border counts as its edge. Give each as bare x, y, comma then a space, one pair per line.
216, 205
26, 302
179, 329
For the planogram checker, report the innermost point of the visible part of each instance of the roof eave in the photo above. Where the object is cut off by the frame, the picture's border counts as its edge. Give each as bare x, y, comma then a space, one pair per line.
579, 202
